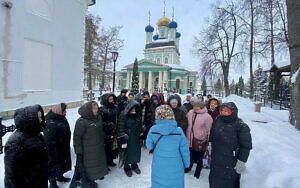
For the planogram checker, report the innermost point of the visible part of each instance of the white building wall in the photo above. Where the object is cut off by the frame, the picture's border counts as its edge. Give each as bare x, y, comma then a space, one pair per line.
41, 52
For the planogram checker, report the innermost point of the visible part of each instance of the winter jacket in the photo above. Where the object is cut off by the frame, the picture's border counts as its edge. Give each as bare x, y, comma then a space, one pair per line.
180, 115
131, 125
171, 155
186, 107
201, 127
231, 141
57, 137
214, 114
151, 112
88, 140
162, 98
121, 100
25, 157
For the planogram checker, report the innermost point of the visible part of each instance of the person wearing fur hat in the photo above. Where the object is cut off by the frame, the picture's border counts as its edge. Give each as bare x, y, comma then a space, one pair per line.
121, 99
170, 150
25, 152
129, 126
58, 136
175, 103
230, 147
197, 134
109, 113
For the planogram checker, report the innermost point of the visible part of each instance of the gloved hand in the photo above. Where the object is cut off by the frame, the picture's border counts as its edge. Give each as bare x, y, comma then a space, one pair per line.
209, 148
240, 166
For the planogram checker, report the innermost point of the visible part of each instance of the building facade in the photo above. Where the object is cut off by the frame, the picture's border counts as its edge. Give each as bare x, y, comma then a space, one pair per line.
41, 52
161, 67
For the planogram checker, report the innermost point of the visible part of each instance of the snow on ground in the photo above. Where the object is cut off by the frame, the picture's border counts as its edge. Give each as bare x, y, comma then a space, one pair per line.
274, 161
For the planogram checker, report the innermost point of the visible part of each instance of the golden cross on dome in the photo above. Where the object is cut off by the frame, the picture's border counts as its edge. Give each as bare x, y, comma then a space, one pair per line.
164, 8
149, 17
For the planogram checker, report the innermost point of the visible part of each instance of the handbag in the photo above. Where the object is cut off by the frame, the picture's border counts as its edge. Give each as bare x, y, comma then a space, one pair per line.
197, 144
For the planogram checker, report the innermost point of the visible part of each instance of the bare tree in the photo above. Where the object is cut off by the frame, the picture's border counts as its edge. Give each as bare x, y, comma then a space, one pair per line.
107, 42
293, 15
217, 44
91, 35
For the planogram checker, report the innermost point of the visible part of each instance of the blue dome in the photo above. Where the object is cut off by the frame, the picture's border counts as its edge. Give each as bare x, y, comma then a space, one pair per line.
178, 35
155, 37
149, 28
172, 24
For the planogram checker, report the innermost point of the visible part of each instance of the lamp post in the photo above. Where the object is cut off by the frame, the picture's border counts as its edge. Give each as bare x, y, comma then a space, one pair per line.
114, 57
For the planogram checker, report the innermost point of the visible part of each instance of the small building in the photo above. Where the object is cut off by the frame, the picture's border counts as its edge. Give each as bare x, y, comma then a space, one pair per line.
161, 67
41, 53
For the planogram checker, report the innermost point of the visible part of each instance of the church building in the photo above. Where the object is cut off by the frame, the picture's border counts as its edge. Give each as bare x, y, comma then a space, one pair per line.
161, 69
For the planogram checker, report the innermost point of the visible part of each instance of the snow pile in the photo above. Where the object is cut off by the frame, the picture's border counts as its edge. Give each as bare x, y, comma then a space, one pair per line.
273, 162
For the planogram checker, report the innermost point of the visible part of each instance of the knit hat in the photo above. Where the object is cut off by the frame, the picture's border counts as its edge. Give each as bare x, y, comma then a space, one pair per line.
173, 101
164, 112
194, 99
199, 104
57, 109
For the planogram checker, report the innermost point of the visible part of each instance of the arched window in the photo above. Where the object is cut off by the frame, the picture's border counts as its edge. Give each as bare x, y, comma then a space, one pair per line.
158, 60
166, 60
177, 83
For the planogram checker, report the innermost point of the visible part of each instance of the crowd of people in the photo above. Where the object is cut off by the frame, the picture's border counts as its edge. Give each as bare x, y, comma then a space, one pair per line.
179, 133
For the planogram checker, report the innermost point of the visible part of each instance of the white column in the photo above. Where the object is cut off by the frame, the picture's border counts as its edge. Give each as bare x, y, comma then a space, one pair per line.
127, 80
166, 79
140, 80
150, 81
160, 80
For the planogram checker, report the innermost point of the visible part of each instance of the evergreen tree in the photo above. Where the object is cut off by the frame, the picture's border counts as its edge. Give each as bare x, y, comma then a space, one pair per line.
135, 77
203, 85
260, 79
219, 86
232, 87
241, 86
236, 89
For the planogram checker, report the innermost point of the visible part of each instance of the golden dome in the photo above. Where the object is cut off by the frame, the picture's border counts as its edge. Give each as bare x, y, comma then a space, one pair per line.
163, 22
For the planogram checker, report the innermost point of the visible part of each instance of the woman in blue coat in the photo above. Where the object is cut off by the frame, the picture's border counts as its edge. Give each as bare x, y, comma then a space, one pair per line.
171, 151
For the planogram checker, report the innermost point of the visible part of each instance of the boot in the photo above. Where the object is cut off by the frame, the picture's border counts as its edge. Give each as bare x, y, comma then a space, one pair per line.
111, 163
127, 170
63, 179
187, 170
53, 184
135, 168
198, 171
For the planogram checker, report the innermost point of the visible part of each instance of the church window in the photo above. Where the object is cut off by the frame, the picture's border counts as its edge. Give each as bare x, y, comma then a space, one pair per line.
158, 60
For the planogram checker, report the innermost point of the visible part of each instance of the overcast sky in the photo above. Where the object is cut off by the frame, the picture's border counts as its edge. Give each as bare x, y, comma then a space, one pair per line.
133, 16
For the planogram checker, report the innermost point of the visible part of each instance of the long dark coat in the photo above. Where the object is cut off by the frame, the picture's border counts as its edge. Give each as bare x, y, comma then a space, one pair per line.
88, 140
57, 136
131, 125
25, 157
180, 115
151, 112
231, 141
109, 113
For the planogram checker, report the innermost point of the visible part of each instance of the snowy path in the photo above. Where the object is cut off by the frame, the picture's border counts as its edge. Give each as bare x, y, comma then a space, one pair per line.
274, 161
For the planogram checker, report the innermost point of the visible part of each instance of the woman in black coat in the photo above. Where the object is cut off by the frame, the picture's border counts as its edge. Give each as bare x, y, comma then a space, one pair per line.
154, 103
25, 157
109, 113
57, 136
230, 147
174, 102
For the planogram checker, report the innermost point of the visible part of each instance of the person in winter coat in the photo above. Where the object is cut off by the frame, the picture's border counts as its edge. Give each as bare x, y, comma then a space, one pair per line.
129, 126
186, 107
57, 136
145, 106
109, 113
213, 108
200, 98
230, 148
155, 102
180, 116
162, 98
88, 141
26, 157
199, 127
170, 150
121, 99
